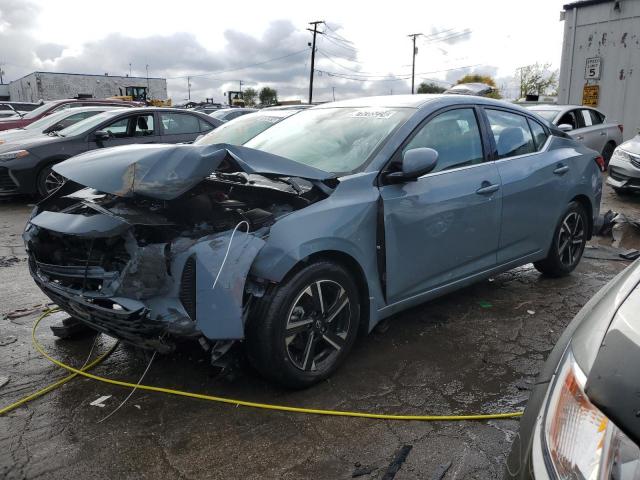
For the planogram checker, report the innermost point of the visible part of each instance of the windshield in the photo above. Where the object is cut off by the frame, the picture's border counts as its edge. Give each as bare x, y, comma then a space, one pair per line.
86, 124
41, 109
548, 115
337, 140
46, 122
244, 128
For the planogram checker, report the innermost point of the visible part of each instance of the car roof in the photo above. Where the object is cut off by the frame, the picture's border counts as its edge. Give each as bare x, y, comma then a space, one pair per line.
418, 101
559, 108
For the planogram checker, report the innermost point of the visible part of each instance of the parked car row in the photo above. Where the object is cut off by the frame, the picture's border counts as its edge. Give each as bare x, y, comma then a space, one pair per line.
26, 164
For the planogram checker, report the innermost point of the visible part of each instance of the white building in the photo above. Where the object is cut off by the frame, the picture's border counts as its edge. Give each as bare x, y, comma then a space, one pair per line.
54, 86
601, 59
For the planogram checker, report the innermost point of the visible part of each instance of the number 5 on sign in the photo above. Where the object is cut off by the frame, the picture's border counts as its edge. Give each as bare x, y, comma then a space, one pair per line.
592, 68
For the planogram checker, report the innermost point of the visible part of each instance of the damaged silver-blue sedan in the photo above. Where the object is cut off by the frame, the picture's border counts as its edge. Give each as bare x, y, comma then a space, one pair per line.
314, 230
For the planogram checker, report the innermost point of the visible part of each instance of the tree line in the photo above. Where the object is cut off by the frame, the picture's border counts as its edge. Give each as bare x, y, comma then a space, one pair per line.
536, 79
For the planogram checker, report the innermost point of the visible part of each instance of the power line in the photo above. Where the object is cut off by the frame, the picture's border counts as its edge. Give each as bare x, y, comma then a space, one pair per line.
207, 74
376, 78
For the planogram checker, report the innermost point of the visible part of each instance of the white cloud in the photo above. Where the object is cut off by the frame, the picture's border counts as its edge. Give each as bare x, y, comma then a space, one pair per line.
190, 38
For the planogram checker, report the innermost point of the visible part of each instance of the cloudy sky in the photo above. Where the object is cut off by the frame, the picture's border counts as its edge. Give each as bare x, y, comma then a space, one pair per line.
365, 48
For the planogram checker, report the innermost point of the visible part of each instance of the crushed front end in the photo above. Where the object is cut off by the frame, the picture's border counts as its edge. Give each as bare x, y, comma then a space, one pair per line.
142, 269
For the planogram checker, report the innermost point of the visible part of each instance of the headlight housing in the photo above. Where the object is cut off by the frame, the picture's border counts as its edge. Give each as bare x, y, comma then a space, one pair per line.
13, 155
579, 440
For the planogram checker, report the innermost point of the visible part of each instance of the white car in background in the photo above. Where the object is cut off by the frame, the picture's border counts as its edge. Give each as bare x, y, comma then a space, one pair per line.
624, 168
584, 124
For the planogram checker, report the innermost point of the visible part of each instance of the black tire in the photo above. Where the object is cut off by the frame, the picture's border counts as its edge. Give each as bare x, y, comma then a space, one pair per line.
320, 344
45, 182
568, 243
607, 152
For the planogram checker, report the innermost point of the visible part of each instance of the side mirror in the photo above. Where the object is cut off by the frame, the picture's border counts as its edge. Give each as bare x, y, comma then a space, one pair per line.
101, 135
415, 163
565, 127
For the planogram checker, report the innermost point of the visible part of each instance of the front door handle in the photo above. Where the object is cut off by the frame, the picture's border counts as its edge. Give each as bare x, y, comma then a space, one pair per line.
602, 134
487, 188
561, 170
579, 137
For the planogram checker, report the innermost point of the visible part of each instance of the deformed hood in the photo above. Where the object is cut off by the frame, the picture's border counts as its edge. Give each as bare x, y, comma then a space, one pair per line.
165, 172
632, 145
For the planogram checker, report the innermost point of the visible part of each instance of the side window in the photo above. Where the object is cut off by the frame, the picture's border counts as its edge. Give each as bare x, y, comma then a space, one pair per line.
454, 135
596, 117
204, 126
586, 118
539, 134
118, 128
143, 126
179, 123
511, 133
569, 118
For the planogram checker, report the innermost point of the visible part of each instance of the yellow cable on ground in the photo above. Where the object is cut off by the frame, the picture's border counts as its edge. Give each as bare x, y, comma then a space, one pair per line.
60, 382
283, 408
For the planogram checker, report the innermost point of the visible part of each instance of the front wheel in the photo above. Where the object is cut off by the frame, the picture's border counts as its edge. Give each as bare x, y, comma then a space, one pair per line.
301, 332
49, 181
568, 243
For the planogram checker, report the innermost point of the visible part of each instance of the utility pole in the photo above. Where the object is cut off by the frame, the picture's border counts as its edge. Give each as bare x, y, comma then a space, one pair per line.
241, 83
129, 69
313, 55
147, 67
413, 64
334, 93
189, 87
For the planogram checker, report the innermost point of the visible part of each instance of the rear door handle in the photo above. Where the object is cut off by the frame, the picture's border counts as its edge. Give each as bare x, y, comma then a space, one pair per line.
603, 133
487, 188
579, 137
561, 170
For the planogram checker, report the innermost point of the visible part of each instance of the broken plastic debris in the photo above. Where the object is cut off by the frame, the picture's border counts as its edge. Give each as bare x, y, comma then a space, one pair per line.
3, 381
485, 304
99, 402
531, 312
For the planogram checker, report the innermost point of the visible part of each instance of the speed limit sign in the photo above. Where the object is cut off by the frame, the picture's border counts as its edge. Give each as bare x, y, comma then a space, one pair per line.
592, 69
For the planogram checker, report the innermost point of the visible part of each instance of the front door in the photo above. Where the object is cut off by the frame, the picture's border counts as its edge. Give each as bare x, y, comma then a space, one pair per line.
444, 226
135, 128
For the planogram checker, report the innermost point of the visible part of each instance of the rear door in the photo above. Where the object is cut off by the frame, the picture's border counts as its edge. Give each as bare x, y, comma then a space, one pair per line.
593, 134
128, 129
181, 127
445, 225
534, 182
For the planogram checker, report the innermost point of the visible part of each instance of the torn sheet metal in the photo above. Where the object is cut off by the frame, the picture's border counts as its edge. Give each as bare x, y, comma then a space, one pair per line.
219, 310
165, 172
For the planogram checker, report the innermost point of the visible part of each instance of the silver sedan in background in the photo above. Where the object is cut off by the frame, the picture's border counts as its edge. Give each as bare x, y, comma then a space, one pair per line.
584, 124
624, 171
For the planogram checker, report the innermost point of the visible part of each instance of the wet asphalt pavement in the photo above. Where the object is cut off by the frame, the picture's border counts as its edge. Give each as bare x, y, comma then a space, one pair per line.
475, 350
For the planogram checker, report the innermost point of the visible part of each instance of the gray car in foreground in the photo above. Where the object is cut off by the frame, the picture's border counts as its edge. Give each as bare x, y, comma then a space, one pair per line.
587, 125
313, 231
583, 417
624, 168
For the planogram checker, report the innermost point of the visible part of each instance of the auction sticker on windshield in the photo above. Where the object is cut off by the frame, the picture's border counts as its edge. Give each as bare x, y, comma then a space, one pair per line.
373, 113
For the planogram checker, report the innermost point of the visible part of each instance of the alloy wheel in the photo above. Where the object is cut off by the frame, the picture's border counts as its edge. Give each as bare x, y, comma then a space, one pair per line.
317, 326
571, 239
53, 181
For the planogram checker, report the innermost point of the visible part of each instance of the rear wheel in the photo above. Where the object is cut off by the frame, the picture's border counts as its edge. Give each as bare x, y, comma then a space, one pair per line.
49, 181
568, 243
607, 152
301, 332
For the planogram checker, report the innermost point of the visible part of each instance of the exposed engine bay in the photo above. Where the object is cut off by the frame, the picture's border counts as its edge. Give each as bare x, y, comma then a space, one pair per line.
142, 269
